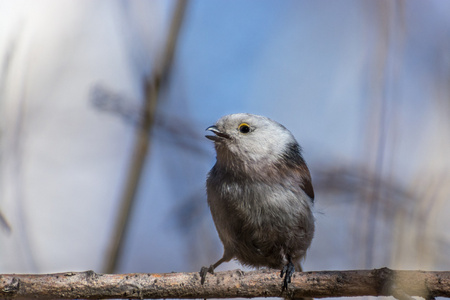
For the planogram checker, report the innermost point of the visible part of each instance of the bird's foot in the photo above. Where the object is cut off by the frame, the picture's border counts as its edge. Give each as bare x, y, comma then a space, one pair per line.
204, 271
287, 272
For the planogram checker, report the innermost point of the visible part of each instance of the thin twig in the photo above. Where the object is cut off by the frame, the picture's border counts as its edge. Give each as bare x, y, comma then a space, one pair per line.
230, 284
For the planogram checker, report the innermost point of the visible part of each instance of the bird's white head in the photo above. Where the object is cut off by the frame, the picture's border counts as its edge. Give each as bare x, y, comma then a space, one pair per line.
245, 140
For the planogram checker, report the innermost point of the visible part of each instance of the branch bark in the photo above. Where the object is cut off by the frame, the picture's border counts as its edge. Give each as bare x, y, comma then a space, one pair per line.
229, 284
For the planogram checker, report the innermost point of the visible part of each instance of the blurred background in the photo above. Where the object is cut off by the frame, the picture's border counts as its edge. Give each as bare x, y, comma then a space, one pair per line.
104, 105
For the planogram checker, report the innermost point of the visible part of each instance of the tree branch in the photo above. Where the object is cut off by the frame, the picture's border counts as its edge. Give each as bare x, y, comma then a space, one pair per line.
230, 284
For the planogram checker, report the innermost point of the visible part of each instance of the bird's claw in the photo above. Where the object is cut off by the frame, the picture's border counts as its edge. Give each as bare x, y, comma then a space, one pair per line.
287, 272
204, 271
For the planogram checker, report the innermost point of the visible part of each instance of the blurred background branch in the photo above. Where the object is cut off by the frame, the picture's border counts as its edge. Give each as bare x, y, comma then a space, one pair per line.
153, 87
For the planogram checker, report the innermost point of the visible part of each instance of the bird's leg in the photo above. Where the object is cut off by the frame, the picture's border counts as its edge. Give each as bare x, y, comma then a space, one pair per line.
287, 272
204, 271
210, 269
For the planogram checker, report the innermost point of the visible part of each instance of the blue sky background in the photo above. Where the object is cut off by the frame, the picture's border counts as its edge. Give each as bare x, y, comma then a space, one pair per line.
362, 85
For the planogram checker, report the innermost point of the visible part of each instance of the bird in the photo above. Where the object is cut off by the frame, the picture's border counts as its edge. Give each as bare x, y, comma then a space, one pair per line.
260, 195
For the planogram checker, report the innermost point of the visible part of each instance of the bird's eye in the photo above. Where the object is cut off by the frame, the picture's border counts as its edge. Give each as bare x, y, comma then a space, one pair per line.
244, 128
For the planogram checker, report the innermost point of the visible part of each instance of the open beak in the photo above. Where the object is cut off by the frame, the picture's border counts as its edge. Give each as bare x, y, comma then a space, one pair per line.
218, 134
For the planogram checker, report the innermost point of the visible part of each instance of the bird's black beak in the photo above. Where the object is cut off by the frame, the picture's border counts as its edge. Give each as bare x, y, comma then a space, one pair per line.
218, 134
